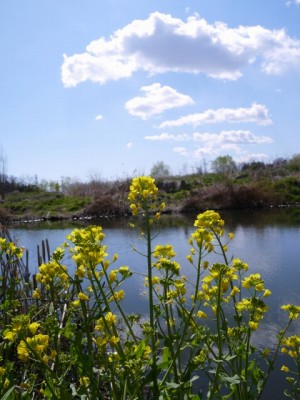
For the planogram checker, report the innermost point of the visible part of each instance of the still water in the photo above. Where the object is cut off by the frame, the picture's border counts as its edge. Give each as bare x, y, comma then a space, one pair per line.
268, 240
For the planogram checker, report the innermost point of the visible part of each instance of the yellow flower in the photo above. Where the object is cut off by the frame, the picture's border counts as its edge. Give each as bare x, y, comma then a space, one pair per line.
267, 293
2, 371
114, 340
82, 296
33, 327
165, 251
117, 296
9, 335
253, 325
284, 368
235, 290
84, 381
22, 350
240, 265
6, 383
101, 341
201, 314
189, 258
80, 272
36, 293
111, 318
294, 311
113, 275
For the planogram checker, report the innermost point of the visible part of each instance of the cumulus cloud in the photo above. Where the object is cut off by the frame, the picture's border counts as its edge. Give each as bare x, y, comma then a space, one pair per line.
156, 100
162, 43
257, 113
129, 145
99, 117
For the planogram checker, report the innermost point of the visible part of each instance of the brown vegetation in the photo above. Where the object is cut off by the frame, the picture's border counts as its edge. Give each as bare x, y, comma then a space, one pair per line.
250, 186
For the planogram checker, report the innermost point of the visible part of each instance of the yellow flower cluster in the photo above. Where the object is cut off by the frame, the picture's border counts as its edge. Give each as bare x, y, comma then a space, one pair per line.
35, 346
256, 282
142, 195
223, 275
256, 309
293, 310
105, 328
18, 326
88, 250
10, 248
165, 251
53, 272
163, 254
291, 346
210, 220
209, 225
4, 381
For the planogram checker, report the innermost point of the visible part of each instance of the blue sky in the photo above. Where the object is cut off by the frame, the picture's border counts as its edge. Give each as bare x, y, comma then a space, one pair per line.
107, 88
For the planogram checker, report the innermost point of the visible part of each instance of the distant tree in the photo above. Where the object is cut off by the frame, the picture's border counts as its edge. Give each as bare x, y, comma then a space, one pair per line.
294, 163
160, 170
224, 165
3, 172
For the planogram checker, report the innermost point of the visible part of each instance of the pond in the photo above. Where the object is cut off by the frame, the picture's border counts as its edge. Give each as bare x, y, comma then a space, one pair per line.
268, 240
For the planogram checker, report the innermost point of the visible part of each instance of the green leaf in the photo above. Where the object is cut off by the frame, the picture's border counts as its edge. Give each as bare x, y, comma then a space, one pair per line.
7, 395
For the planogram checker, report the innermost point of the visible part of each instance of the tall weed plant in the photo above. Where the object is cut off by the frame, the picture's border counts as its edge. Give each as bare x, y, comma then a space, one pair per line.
64, 334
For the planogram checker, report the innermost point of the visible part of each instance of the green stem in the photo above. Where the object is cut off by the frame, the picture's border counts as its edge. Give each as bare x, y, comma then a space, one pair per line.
219, 342
154, 371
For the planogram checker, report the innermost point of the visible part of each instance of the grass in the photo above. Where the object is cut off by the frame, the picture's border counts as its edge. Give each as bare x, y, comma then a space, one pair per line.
43, 204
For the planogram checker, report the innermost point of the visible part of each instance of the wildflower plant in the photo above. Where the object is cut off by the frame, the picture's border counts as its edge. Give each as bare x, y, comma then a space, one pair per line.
65, 335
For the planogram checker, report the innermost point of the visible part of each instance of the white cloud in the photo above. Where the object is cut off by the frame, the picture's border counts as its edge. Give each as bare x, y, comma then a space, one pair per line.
99, 117
209, 153
162, 44
156, 100
231, 137
249, 157
129, 145
168, 137
257, 113
181, 151
213, 144
224, 139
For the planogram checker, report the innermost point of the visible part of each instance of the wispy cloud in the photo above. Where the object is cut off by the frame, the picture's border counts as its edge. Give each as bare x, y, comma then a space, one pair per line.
240, 137
129, 145
210, 154
99, 117
162, 43
290, 2
168, 137
257, 113
156, 100
204, 144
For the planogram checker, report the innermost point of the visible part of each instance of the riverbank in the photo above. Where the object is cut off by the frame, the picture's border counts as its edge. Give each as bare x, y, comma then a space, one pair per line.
255, 188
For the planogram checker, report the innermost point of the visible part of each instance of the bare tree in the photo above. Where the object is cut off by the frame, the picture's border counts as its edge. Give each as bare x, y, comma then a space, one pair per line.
3, 172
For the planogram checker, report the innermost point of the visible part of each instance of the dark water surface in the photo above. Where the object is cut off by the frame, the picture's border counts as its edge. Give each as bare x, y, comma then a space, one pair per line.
268, 240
